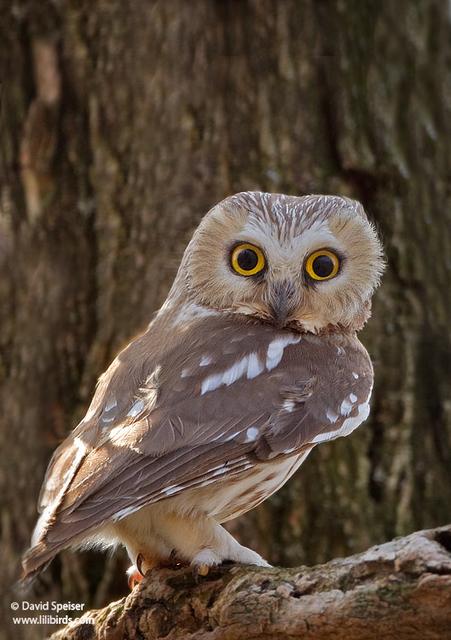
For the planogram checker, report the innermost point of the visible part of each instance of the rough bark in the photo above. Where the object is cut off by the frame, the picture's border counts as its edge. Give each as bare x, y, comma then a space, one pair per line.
121, 124
401, 589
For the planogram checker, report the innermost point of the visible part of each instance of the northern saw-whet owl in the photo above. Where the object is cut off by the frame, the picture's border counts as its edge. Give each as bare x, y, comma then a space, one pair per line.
251, 362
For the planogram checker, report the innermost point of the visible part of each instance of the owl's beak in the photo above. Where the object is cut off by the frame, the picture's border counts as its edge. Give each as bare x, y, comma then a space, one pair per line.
282, 302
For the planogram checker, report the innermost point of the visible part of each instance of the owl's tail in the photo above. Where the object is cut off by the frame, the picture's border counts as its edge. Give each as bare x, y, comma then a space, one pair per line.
42, 551
51, 535
35, 560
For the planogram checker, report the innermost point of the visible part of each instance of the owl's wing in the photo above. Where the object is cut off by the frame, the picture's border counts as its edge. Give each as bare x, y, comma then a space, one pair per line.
68, 456
238, 396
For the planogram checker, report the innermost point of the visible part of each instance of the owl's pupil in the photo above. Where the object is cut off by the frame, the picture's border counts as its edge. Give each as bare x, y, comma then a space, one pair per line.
247, 259
323, 266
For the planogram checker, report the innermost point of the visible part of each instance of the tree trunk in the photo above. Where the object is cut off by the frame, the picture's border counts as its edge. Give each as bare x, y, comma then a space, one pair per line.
401, 589
121, 124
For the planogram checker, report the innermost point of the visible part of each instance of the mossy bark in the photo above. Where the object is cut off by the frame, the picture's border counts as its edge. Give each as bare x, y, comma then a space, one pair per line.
121, 124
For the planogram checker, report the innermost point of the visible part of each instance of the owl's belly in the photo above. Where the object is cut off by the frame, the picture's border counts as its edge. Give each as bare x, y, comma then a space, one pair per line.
235, 496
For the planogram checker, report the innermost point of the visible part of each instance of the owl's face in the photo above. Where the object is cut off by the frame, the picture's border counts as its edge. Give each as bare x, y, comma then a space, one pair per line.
307, 262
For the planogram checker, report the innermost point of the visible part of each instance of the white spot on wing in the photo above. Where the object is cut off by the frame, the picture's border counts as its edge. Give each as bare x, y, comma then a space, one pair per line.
356, 375
205, 361
254, 366
109, 412
81, 447
205, 482
288, 405
107, 419
352, 397
348, 425
123, 513
346, 407
229, 376
331, 415
234, 435
172, 489
276, 349
220, 470
111, 404
249, 366
251, 434
211, 383
136, 409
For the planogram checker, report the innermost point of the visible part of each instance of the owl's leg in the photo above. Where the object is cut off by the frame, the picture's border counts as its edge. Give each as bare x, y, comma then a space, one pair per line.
205, 543
225, 547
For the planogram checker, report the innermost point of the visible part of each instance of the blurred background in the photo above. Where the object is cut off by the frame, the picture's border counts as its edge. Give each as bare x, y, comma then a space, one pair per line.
122, 123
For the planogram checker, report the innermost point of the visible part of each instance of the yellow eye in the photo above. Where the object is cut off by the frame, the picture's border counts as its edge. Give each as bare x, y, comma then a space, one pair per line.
322, 265
247, 259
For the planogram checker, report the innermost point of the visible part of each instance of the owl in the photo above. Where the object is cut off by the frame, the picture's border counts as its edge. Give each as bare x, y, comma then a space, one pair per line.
252, 361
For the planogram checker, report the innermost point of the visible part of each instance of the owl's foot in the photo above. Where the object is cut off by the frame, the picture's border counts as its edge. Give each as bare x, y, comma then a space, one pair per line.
229, 551
203, 560
232, 550
137, 571
134, 577
208, 544
243, 555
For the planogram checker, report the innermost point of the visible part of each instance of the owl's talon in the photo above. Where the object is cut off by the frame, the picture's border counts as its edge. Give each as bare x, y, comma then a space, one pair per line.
204, 560
134, 577
139, 564
137, 571
202, 570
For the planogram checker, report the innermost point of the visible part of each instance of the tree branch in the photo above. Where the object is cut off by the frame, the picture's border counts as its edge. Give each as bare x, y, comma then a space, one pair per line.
400, 590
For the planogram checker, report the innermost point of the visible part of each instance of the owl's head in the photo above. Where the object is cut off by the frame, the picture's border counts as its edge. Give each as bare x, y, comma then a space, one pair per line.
309, 263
